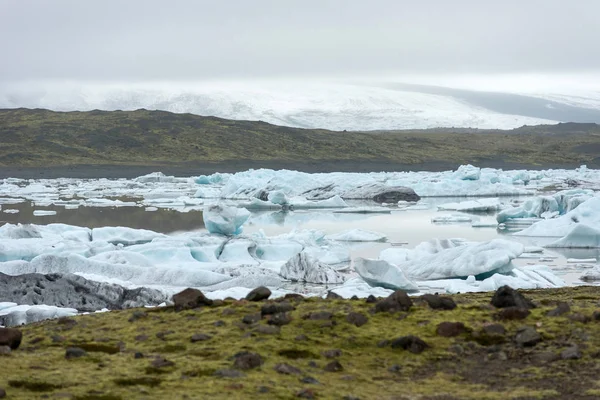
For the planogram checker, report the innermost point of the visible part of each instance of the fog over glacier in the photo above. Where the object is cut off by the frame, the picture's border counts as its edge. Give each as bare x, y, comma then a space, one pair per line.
332, 64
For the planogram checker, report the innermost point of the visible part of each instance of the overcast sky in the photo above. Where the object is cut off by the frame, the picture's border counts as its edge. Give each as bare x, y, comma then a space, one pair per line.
168, 40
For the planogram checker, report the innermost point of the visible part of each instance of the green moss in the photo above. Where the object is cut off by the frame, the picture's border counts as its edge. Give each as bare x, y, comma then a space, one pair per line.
459, 367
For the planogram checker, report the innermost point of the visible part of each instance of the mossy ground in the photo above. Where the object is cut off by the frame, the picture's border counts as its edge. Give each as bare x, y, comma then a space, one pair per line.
42, 138
452, 368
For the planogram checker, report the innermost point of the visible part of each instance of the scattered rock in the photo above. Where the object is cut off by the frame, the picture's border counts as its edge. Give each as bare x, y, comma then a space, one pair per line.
306, 394
251, 318
141, 338
280, 319
578, 317
246, 360
332, 353
287, 369
334, 366
274, 308
411, 343
2, 393
395, 368
571, 353
301, 338
356, 318
138, 355
383, 343
513, 313
258, 294
263, 389
268, 329
450, 329
561, 309
527, 336
10, 337
161, 362
309, 380
397, 301
200, 337
494, 329
596, 316
5, 350
219, 323
189, 299
294, 297
319, 316
439, 302
228, 373
544, 357
333, 296
162, 335
136, 315
508, 297
74, 352
371, 299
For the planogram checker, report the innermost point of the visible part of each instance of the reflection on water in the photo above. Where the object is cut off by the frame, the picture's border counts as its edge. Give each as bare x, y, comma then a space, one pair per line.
163, 221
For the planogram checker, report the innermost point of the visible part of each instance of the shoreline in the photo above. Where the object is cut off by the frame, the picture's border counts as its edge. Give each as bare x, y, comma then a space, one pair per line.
116, 171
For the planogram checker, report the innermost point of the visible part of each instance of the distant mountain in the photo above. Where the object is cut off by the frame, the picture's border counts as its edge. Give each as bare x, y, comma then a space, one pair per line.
309, 104
41, 138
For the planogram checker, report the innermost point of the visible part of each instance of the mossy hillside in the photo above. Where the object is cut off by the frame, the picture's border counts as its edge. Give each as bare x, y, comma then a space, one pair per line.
45, 138
451, 368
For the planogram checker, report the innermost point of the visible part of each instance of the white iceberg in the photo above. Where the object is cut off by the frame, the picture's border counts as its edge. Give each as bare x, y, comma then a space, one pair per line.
581, 236
383, 274
357, 235
225, 220
304, 267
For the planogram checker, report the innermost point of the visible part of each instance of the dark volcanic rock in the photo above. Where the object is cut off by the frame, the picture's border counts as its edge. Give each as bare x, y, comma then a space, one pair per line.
527, 336
332, 353
5, 350
439, 302
258, 294
287, 369
228, 373
508, 297
397, 301
381, 193
356, 318
2, 393
74, 352
268, 329
334, 366
411, 343
190, 298
561, 309
251, 318
319, 316
247, 360
10, 337
67, 290
161, 362
450, 329
274, 308
280, 319
513, 313
371, 299
200, 337
333, 296
572, 353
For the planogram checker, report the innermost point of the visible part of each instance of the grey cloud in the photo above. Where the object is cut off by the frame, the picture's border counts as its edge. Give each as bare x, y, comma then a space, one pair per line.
152, 39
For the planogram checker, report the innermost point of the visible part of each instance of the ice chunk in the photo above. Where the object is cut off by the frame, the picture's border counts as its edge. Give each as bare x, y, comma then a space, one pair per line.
450, 219
447, 259
10, 211
277, 249
26, 314
43, 213
257, 204
468, 173
358, 235
278, 197
359, 288
383, 274
592, 275
381, 193
238, 251
155, 177
481, 205
304, 267
124, 235
225, 220
333, 202
587, 213
581, 236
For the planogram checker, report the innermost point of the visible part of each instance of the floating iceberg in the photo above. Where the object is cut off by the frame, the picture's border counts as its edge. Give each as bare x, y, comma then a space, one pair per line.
225, 220
581, 236
383, 274
358, 235
547, 206
440, 259
304, 267
480, 205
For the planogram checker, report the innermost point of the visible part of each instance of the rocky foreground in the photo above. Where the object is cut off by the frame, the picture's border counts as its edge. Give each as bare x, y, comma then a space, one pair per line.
542, 344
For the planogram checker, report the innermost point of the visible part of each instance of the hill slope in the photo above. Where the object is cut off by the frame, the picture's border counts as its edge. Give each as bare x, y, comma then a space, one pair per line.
41, 138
